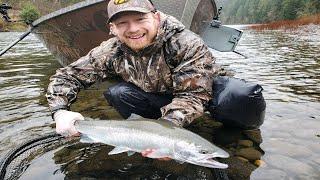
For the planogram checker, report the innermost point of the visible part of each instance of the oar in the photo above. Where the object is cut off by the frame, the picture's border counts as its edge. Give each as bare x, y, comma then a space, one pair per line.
16, 41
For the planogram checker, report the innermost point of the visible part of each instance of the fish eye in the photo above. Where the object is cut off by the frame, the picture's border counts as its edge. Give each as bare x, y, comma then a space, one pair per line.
204, 152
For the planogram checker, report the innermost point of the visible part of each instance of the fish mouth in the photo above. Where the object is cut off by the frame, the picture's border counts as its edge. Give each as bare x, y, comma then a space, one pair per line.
220, 154
211, 163
206, 160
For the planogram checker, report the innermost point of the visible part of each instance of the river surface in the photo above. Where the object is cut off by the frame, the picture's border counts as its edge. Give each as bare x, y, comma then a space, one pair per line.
285, 63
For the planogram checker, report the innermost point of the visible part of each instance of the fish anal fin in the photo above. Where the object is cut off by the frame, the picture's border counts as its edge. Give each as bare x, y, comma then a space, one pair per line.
118, 150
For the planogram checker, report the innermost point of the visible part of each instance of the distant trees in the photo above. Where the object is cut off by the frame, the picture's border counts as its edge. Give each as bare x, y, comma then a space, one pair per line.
311, 7
290, 9
261, 11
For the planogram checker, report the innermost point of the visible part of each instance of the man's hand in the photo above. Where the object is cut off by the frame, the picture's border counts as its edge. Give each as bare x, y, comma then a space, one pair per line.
147, 152
65, 122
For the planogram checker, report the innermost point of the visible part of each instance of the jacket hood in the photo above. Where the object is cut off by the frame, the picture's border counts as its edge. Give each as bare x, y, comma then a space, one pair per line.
169, 26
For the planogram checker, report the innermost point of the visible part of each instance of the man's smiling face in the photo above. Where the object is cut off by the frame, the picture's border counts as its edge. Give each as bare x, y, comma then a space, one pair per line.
137, 30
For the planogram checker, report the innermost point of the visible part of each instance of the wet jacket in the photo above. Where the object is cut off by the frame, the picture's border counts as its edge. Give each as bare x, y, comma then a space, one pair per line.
177, 62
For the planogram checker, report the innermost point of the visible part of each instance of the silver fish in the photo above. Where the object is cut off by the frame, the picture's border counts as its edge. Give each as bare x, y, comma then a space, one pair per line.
139, 134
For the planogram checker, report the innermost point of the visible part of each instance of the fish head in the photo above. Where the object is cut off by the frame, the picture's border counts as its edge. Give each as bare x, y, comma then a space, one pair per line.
199, 155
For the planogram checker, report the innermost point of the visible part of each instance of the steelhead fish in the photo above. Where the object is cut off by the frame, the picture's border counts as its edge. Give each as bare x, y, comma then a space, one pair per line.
139, 134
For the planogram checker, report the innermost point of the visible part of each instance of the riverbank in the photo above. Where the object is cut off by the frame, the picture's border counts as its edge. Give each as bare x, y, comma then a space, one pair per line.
32, 7
288, 24
12, 26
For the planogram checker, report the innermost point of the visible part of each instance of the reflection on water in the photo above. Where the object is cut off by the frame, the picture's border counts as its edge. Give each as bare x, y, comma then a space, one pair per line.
286, 64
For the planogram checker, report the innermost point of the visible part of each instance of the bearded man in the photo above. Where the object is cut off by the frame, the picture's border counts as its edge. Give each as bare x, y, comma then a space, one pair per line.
167, 73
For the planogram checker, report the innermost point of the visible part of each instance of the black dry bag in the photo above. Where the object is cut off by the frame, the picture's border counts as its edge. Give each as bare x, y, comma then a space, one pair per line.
237, 103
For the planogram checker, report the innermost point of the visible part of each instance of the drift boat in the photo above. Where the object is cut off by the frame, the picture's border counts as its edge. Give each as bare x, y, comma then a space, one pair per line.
72, 32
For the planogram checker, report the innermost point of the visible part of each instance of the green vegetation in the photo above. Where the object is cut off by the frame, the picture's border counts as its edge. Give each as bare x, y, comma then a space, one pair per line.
12, 26
30, 10
29, 13
264, 11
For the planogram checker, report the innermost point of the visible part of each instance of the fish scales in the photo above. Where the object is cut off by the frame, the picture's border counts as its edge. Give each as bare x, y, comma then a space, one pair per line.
167, 139
131, 133
147, 127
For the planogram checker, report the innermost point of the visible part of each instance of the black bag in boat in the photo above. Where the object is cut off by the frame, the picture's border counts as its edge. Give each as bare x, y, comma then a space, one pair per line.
237, 103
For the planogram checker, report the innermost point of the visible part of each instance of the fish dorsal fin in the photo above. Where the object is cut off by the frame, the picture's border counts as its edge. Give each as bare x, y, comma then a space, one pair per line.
134, 117
118, 150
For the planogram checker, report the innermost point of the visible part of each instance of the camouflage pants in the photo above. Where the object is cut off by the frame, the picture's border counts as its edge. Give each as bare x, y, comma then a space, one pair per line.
235, 102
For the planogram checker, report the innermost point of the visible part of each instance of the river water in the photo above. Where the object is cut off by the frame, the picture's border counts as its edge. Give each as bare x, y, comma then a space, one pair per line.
285, 63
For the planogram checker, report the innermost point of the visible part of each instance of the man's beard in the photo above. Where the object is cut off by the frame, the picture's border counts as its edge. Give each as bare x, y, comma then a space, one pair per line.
137, 45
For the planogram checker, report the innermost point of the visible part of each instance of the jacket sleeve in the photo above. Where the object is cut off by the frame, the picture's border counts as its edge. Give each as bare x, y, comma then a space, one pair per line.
67, 82
194, 69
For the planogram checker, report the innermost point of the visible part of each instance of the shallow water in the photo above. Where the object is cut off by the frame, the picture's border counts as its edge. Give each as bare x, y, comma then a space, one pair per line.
285, 63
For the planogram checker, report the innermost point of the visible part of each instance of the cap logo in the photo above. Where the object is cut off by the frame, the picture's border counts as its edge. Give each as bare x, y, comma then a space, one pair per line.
117, 2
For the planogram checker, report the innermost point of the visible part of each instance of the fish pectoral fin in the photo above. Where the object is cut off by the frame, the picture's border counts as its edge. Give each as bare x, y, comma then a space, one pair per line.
118, 150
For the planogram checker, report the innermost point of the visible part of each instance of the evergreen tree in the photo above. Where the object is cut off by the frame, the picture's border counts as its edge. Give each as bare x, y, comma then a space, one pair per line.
261, 11
291, 8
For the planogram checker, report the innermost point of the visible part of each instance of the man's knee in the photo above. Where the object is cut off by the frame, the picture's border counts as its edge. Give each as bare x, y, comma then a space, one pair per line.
118, 93
237, 103
127, 98
114, 92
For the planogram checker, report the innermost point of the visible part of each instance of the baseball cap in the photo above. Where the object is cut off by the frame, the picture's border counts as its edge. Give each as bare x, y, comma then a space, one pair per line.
117, 6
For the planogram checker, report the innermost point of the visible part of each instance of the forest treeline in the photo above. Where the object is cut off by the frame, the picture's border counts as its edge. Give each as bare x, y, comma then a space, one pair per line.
264, 11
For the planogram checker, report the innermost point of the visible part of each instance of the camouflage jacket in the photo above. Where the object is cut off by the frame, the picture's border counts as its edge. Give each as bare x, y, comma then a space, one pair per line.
177, 62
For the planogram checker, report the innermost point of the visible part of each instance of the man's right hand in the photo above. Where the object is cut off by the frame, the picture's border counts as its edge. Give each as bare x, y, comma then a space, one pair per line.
65, 121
